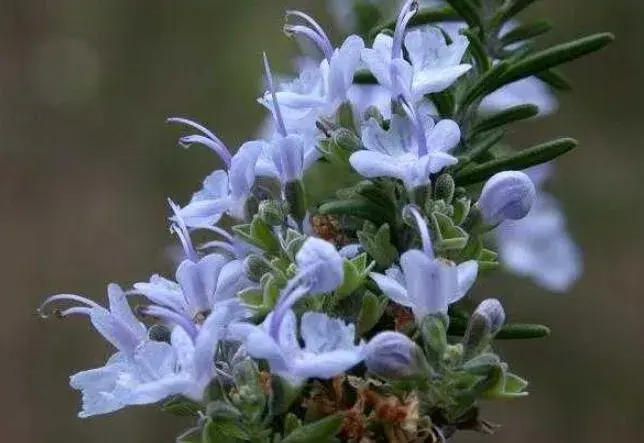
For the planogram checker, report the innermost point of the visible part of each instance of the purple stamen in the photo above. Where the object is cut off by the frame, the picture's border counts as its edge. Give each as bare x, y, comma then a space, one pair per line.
313, 31
89, 305
408, 10
181, 230
211, 140
419, 129
292, 294
422, 229
281, 127
221, 245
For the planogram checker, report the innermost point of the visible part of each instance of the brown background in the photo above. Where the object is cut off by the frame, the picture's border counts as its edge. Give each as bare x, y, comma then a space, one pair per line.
86, 164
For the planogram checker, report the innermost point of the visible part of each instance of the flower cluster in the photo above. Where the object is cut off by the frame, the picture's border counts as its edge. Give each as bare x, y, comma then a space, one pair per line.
344, 314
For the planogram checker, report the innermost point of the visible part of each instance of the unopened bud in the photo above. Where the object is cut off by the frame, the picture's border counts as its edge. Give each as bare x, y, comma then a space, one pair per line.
508, 195
346, 139
444, 187
271, 212
393, 355
255, 267
484, 324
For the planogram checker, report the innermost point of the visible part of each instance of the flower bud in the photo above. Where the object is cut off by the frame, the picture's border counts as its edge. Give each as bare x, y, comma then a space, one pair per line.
508, 195
271, 212
484, 324
346, 139
394, 356
255, 267
492, 311
444, 188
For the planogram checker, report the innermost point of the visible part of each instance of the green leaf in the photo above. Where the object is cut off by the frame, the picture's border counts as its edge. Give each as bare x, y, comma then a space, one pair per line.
450, 237
320, 431
478, 51
468, 11
480, 146
555, 80
378, 245
222, 410
526, 32
487, 255
555, 56
473, 249
481, 363
223, 431
514, 384
433, 329
259, 234
182, 407
291, 423
283, 394
445, 103
485, 84
357, 208
461, 207
252, 296
271, 292
378, 196
513, 8
505, 117
371, 310
485, 266
522, 331
352, 281
368, 15
521, 160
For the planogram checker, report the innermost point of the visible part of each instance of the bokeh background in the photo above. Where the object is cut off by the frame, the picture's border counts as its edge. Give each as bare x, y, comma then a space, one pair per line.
86, 164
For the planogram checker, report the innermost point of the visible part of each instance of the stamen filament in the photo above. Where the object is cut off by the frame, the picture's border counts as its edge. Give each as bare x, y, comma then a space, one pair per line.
419, 129
422, 230
279, 120
217, 145
181, 230
407, 12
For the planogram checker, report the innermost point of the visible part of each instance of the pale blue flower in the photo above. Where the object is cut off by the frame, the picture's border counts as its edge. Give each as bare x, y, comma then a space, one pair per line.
319, 90
320, 269
424, 283
434, 66
156, 370
223, 192
329, 345
202, 284
539, 245
409, 151
507, 195
286, 156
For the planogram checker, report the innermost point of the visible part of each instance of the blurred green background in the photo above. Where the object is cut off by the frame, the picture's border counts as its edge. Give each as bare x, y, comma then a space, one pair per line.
86, 164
